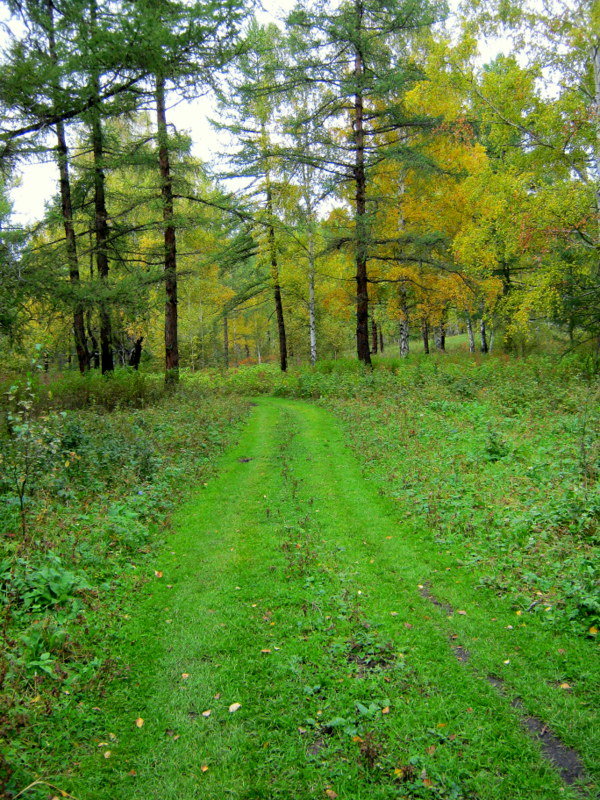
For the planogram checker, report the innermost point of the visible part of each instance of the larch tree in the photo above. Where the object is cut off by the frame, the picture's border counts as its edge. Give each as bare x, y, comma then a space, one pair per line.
183, 46
361, 52
248, 111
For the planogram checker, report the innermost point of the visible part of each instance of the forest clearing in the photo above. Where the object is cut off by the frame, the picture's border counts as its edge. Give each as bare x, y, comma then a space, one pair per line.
299, 399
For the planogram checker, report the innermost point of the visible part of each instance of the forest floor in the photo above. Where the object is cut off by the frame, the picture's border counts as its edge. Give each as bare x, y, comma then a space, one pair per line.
300, 638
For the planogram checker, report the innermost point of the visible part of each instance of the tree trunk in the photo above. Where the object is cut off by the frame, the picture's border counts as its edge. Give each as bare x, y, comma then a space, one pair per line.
596, 117
312, 323
136, 353
470, 334
362, 292
440, 336
83, 356
101, 245
81, 347
225, 341
170, 270
404, 323
373, 335
425, 335
381, 342
482, 330
275, 279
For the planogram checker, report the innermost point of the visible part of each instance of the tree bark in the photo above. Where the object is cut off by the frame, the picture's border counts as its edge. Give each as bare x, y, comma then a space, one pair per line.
374, 341
312, 323
362, 292
100, 217
482, 330
596, 118
404, 324
275, 279
425, 335
170, 269
136, 353
62, 157
470, 334
101, 244
440, 335
381, 342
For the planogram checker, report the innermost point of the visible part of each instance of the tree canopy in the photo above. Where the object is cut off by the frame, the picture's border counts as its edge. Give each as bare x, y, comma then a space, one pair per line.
382, 180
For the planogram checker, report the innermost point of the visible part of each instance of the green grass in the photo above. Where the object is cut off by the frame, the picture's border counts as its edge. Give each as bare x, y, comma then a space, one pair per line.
295, 552
98, 503
474, 477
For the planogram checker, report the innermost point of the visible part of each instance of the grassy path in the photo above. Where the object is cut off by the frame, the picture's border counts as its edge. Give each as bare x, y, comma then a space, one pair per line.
290, 587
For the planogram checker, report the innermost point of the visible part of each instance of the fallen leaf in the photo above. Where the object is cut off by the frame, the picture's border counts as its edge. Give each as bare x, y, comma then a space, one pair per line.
518, 613
185, 675
158, 573
593, 631
204, 768
301, 730
462, 613
357, 739
441, 724
132, 772
420, 586
427, 782
331, 794
393, 613
217, 696
234, 707
565, 686
206, 713
139, 722
507, 661
169, 732
385, 710
407, 625
107, 754
265, 650
112, 737
431, 750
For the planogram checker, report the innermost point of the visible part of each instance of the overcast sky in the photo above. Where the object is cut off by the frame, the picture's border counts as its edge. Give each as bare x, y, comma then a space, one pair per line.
38, 182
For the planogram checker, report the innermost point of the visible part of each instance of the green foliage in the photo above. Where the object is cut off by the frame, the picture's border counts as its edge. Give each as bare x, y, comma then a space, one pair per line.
30, 445
104, 485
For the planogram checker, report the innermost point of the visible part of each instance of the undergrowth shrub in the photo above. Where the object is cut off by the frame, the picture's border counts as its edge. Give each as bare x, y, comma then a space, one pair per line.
100, 488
